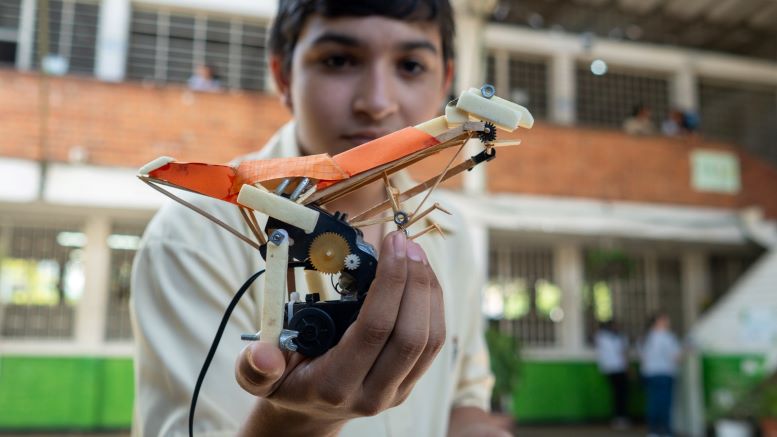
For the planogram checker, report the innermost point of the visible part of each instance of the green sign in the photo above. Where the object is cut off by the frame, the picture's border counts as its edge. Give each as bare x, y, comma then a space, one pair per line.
715, 171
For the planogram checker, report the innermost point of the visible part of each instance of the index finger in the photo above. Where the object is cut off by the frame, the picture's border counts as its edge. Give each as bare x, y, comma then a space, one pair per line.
365, 338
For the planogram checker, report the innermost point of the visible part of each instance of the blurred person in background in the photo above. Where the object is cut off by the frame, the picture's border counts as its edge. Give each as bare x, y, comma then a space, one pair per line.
204, 79
639, 123
413, 362
661, 354
674, 125
612, 358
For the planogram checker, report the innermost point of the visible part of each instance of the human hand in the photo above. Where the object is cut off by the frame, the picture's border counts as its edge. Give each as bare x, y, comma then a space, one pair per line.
399, 331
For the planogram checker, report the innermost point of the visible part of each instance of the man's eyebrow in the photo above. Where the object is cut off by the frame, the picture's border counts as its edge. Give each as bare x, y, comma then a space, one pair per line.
336, 38
415, 45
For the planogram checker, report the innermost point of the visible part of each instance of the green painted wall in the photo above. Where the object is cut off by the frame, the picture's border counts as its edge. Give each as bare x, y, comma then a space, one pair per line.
77, 393
567, 391
728, 376
65, 393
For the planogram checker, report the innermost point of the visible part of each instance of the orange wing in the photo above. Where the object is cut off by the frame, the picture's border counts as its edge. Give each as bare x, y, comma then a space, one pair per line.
224, 181
381, 151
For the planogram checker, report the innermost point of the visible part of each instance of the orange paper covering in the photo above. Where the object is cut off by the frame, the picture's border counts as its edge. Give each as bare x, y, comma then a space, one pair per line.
224, 181
320, 167
210, 180
383, 150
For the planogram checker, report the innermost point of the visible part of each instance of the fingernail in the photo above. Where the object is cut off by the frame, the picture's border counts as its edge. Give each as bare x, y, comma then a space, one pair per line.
400, 245
415, 252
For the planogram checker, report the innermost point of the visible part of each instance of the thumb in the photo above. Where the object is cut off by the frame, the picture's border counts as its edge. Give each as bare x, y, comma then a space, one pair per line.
259, 367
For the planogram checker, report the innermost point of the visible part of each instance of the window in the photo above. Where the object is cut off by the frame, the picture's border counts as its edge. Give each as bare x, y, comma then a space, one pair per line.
629, 288
740, 114
41, 280
123, 242
521, 294
724, 271
167, 46
609, 99
526, 81
10, 11
72, 34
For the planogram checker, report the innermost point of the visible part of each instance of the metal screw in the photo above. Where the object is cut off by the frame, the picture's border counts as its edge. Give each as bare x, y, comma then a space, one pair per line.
487, 90
300, 187
287, 340
278, 237
249, 337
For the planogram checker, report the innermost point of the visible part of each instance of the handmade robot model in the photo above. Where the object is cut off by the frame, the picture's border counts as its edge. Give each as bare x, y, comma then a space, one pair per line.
300, 232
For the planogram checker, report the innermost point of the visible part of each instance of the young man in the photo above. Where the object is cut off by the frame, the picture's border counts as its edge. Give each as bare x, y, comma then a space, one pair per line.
413, 363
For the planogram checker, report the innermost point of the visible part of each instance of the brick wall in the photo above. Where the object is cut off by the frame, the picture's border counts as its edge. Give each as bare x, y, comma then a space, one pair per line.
610, 165
128, 124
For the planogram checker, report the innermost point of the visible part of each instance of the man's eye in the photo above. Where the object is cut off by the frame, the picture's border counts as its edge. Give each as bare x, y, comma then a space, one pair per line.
411, 67
338, 61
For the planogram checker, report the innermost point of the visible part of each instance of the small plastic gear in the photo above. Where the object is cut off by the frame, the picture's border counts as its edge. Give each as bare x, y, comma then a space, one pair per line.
328, 251
352, 261
489, 133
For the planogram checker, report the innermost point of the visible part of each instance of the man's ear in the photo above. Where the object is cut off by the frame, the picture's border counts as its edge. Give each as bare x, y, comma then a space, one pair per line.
448, 82
282, 81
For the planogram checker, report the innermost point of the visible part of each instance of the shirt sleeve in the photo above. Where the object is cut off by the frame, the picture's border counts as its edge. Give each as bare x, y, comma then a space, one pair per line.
184, 275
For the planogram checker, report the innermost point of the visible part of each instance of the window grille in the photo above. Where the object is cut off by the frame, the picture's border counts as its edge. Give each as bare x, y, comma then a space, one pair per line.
10, 11
608, 100
41, 279
123, 243
670, 292
740, 114
521, 294
9, 24
629, 288
724, 271
167, 46
72, 28
527, 81
615, 289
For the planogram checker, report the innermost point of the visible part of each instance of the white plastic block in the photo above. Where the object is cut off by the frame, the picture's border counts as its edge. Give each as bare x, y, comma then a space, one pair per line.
455, 116
503, 113
434, 127
278, 207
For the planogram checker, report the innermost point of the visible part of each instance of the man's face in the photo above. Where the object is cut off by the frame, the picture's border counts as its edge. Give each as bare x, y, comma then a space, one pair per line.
354, 79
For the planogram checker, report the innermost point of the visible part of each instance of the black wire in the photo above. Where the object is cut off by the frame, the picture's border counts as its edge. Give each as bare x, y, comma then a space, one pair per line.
217, 339
215, 345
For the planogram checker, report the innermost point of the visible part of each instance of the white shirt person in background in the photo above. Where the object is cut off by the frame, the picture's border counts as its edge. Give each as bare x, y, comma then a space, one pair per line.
611, 356
661, 354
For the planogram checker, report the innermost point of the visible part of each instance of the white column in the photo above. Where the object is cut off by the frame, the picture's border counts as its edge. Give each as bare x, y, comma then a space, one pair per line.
469, 73
685, 93
562, 89
24, 45
695, 284
568, 272
92, 308
112, 40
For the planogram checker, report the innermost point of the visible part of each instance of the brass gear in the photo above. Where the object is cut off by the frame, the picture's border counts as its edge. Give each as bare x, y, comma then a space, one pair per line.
328, 251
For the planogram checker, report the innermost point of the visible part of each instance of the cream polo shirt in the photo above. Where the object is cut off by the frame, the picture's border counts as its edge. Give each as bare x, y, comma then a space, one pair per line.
188, 269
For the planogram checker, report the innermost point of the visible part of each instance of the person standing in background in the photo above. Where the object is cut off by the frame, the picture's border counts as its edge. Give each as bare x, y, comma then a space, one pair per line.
661, 355
611, 356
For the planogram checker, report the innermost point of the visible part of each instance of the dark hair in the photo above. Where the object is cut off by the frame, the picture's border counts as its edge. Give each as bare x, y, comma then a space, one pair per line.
292, 15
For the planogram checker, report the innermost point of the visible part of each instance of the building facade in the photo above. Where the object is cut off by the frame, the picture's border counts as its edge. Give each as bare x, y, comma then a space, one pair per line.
581, 224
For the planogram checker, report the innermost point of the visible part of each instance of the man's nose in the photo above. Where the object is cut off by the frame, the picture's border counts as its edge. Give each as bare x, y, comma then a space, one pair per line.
376, 96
